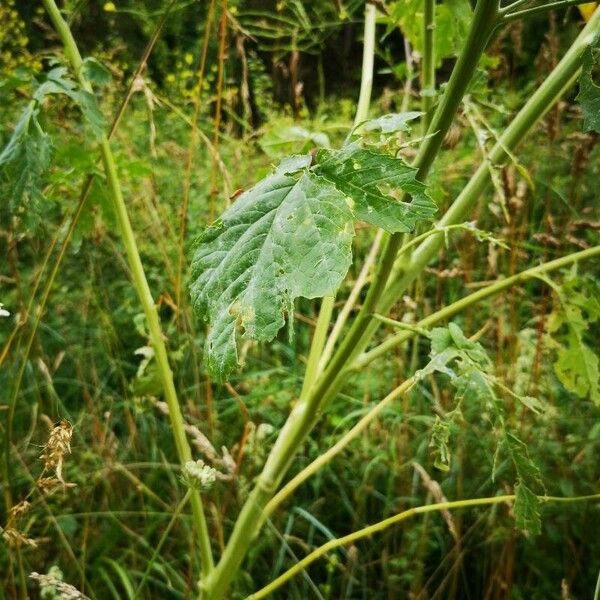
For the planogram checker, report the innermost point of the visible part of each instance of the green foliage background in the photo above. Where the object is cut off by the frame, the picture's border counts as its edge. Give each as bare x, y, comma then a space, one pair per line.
290, 84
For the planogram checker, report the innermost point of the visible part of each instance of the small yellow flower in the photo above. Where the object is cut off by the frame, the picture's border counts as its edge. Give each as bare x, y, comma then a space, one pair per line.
170, 78
110, 7
188, 58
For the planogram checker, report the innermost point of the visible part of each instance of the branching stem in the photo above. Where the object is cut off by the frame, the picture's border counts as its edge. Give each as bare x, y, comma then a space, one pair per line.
403, 516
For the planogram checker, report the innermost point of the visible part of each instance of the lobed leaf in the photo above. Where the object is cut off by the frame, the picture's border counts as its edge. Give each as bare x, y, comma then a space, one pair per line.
290, 236
375, 181
526, 510
286, 237
393, 122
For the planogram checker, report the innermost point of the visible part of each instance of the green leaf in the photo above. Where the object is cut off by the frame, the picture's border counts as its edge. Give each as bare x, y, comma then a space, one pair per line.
392, 123
526, 510
577, 368
57, 82
95, 71
375, 182
453, 337
589, 87
440, 438
576, 365
526, 469
23, 161
286, 237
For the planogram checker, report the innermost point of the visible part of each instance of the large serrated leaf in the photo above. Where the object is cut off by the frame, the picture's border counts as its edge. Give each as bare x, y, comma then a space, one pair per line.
589, 88
375, 182
286, 237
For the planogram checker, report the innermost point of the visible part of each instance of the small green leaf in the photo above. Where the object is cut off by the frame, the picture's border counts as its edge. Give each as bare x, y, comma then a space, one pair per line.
526, 510
57, 82
589, 87
577, 368
286, 237
392, 123
526, 469
375, 182
576, 365
95, 71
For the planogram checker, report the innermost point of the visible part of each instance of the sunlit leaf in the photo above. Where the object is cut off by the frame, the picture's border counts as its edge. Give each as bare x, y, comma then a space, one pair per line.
286, 237
375, 182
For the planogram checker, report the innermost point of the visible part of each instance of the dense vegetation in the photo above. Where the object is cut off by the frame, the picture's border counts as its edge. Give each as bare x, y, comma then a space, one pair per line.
299, 298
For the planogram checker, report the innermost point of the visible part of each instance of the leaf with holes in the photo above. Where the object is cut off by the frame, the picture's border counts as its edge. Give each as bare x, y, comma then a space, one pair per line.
287, 237
375, 182
589, 87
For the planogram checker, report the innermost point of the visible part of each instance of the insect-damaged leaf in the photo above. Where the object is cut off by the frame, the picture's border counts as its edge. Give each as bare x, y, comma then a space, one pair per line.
589, 87
290, 236
286, 237
375, 182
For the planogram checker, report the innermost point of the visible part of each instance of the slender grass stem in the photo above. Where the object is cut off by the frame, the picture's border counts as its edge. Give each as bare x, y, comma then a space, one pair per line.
288, 489
141, 286
536, 10
468, 301
163, 539
403, 516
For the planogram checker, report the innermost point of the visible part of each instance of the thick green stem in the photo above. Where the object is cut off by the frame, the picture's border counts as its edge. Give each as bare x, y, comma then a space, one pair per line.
403, 516
366, 80
141, 286
304, 415
484, 21
428, 61
546, 96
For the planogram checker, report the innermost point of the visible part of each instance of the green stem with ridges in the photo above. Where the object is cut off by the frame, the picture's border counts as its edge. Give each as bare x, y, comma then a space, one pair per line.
141, 286
546, 96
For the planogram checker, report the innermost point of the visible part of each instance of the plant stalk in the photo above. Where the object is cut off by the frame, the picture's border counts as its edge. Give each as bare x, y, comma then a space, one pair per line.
543, 99
460, 305
304, 415
428, 61
403, 516
366, 80
141, 286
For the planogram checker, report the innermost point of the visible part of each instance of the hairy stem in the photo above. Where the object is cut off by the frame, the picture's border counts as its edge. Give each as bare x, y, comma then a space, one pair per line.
141, 286
546, 96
